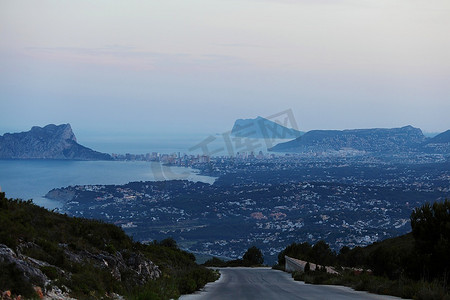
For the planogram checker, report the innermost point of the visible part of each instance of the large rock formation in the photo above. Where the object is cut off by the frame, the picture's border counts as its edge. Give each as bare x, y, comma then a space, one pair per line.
376, 140
262, 128
49, 142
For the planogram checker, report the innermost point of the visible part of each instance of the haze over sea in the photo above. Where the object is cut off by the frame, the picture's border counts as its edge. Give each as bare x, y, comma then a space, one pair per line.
141, 143
32, 179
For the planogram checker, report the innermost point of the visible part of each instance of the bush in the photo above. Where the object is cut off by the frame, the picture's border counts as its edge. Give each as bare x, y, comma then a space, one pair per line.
215, 262
44, 236
50, 272
278, 267
253, 257
11, 278
169, 242
431, 291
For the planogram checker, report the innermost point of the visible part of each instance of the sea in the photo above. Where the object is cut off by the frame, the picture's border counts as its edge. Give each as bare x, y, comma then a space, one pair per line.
33, 179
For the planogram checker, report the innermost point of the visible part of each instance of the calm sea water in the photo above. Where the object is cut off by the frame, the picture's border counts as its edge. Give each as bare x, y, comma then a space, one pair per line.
32, 179
213, 145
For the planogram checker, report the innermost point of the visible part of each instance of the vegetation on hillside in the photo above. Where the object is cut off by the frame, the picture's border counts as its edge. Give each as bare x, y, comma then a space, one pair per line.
415, 265
89, 259
253, 257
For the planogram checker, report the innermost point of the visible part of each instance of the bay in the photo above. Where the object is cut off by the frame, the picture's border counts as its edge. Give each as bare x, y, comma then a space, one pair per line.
32, 179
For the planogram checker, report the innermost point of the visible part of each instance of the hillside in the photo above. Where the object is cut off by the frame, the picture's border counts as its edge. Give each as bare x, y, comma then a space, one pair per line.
414, 265
49, 142
261, 128
374, 140
441, 138
64, 256
439, 143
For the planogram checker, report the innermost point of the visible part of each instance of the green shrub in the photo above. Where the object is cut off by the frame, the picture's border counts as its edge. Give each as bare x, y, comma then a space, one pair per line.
111, 249
50, 271
48, 232
215, 262
278, 267
11, 278
431, 291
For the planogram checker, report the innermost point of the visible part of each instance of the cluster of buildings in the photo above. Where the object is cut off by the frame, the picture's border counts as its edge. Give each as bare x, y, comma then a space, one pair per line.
171, 159
269, 202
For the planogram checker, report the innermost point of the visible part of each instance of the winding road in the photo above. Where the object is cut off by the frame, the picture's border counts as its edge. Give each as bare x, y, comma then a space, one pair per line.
265, 283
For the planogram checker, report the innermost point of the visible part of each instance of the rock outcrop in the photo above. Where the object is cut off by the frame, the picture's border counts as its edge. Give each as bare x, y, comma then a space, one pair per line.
49, 142
262, 128
29, 268
136, 266
61, 195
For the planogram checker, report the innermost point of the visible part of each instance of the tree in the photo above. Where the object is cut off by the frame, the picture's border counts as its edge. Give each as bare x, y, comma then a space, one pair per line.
321, 253
169, 242
299, 251
431, 230
343, 256
307, 267
253, 257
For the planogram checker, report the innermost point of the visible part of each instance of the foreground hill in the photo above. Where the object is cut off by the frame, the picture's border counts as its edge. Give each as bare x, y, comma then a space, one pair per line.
366, 140
49, 142
60, 256
261, 128
414, 265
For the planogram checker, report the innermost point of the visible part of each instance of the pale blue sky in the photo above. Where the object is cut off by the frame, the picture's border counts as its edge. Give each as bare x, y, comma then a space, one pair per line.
195, 66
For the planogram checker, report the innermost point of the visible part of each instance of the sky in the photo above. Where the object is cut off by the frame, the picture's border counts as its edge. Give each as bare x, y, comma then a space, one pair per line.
135, 67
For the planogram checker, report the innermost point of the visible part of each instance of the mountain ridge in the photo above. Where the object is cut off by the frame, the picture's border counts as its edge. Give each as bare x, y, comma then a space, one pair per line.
441, 138
407, 138
438, 144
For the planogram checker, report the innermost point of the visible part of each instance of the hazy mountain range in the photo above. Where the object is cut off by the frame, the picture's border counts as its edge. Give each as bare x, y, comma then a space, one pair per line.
377, 140
59, 141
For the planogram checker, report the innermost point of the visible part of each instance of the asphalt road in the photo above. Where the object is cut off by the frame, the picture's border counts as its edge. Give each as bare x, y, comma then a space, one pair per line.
265, 283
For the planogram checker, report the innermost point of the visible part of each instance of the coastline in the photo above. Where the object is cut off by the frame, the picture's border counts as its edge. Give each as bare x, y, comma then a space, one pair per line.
33, 179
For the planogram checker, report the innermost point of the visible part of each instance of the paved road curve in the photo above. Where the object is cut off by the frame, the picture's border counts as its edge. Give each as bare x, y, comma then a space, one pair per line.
265, 283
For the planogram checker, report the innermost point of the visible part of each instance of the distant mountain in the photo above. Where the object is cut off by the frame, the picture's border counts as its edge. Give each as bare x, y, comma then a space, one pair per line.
263, 128
441, 138
439, 143
367, 140
49, 142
